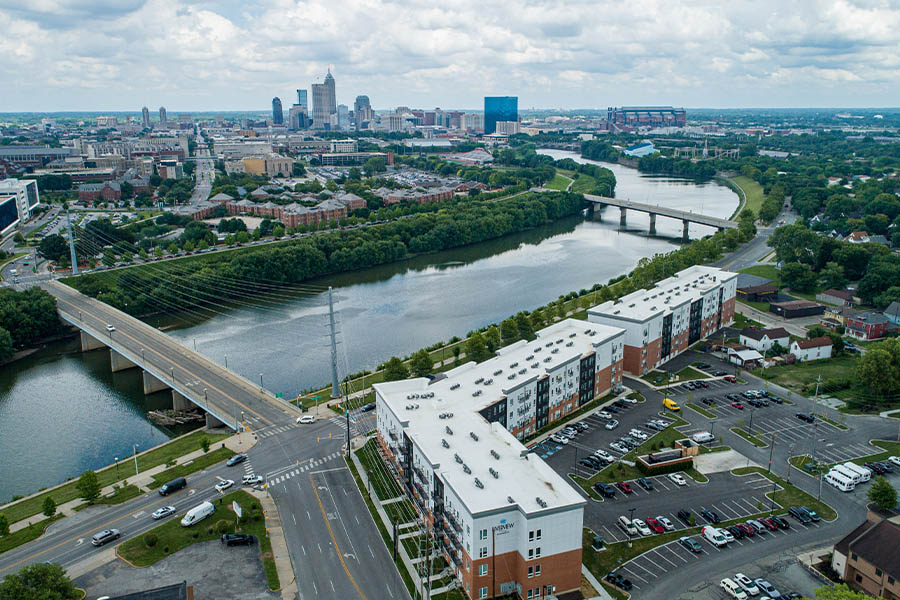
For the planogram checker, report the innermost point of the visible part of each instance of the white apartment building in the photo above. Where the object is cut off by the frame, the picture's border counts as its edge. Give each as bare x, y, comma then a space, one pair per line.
662, 322
18, 198
506, 520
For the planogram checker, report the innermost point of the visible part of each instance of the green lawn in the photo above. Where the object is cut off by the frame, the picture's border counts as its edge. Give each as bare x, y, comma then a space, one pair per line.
799, 376
198, 464
654, 377
172, 537
767, 271
832, 422
740, 321
750, 438
753, 193
701, 410
26, 534
380, 478
760, 306
690, 373
107, 476
696, 475
559, 182
584, 184
122, 494
790, 495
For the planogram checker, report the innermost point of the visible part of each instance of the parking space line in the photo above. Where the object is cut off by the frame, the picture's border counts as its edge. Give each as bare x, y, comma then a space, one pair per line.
677, 553
659, 554
633, 574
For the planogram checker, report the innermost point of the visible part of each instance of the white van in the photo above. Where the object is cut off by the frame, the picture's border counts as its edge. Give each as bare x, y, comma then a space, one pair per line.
733, 589
864, 473
839, 481
197, 514
714, 536
849, 474
627, 526
703, 437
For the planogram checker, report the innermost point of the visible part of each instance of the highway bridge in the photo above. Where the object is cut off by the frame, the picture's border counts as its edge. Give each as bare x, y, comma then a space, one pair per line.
684, 216
226, 397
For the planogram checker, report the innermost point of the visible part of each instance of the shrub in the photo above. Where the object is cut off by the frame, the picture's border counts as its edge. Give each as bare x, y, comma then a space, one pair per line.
166, 550
150, 540
222, 526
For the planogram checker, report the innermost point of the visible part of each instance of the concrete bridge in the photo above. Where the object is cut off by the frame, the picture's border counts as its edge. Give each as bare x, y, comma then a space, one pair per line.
684, 216
226, 397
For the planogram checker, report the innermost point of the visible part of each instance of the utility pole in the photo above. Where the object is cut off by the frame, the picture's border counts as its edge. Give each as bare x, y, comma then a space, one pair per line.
335, 386
816, 402
771, 452
347, 416
71, 244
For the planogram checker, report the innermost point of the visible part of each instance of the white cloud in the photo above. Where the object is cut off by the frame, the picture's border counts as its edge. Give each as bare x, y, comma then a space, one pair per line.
228, 54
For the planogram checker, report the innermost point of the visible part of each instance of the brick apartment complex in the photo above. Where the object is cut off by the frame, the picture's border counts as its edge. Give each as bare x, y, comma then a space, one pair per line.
664, 321
506, 521
868, 558
867, 326
110, 191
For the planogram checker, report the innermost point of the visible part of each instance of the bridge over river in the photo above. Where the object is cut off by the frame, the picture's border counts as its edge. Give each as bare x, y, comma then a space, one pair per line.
684, 216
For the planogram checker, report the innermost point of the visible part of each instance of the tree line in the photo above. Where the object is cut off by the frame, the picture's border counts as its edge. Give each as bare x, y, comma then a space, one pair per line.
25, 318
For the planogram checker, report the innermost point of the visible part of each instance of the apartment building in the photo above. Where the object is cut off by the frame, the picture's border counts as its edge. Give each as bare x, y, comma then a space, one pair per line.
662, 322
506, 521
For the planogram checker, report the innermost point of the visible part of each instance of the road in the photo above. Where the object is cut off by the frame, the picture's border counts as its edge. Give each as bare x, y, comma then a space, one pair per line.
752, 252
222, 392
204, 173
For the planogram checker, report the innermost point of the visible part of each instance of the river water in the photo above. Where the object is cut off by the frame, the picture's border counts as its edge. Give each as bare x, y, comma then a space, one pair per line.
388, 310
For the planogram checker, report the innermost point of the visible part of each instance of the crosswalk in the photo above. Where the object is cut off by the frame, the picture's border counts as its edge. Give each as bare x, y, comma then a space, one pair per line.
308, 465
276, 430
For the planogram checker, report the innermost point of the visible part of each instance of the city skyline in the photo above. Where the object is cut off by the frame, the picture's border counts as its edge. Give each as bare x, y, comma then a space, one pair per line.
202, 56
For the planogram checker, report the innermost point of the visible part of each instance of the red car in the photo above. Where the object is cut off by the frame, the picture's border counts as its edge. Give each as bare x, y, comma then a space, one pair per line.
769, 523
749, 530
654, 525
737, 405
730, 379
626, 489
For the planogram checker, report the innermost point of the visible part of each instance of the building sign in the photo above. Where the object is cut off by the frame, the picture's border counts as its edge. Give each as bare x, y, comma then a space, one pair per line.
504, 527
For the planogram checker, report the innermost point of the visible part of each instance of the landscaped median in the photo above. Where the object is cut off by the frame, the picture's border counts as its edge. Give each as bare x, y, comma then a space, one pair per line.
749, 437
170, 537
198, 464
701, 410
33, 505
831, 421
26, 534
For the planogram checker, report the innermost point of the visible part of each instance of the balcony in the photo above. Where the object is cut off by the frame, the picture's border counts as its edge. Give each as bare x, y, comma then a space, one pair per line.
453, 522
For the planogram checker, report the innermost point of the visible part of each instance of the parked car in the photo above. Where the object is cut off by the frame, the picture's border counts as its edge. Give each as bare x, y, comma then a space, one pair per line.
749, 530
676, 478
604, 415
733, 397
713, 536
582, 426
766, 588
611, 424
759, 527
654, 425
776, 399
806, 417
603, 455
746, 584
605, 490
655, 525
666, 523
645, 483
768, 523
801, 515
620, 404
895, 460
163, 512
685, 515
730, 379
619, 581
735, 531
559, 439
719, 373
709, 515
238, 539
708, 401
737, 405
224, 485
618, 447
623, 485
876, 468
691, 544
637, 433
641, 527
630, 400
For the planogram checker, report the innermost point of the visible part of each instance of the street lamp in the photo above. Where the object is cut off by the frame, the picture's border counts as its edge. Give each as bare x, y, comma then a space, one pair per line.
630, 520
134, 448
790, 454
261, 388
226, 361
117, 467
206, 399
173, 373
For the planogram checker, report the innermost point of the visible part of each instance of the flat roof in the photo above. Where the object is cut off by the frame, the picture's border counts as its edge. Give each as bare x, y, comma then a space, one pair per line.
684, 287
429, 408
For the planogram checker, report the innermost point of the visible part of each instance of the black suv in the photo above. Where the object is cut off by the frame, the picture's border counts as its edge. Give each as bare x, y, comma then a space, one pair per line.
645, 483
619, 581
709, 515
605, 490
238, 539
806, 417
800, 514
685, 515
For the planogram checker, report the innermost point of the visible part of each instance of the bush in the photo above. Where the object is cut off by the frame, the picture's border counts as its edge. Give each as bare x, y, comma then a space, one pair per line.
151, 539
222, 526
166, 550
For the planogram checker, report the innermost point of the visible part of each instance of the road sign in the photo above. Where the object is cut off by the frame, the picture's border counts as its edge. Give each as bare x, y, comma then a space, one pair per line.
237, 508
279, 395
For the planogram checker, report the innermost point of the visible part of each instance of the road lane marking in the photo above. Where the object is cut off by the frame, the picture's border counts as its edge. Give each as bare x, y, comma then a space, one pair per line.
334, 541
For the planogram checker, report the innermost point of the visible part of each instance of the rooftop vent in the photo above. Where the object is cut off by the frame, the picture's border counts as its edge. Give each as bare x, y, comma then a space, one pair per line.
457, 458
476, 393
497, 372
548, 359
514, 365
489, 381
479, 380
478, 484
529, 357
466, 469
510, 500
587, 330
555, 350
494, 472
569, 343
455, 386
495, 454
541, 502
559, 341
522, 371
445, 443
571, 335
473, 436
535, 365
448, 430
548, 344
538, 349
511, 376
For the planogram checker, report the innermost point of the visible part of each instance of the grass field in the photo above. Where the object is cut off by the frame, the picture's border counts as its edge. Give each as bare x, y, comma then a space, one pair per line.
690, 374
559, 182
26, 534
740, 321
198, 464
798, 376
107, 476
584, 184
172, 537
753, 193
701, 410
767, 271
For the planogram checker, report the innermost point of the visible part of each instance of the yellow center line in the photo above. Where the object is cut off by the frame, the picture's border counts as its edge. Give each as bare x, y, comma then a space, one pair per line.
174, 364
101, 527
333, 540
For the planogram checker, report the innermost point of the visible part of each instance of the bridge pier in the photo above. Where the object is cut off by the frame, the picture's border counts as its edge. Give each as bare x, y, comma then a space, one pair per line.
213, 422
622, 215
685, 230
89, 342
117, 362
652, 223
152, 384
180, 401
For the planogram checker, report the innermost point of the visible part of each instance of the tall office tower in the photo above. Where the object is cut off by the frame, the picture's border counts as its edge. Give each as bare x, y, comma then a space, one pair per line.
145, 117
163, 121
343, 115
297, 117
302, 99
361, 108
277, 112
324, 102
499, 108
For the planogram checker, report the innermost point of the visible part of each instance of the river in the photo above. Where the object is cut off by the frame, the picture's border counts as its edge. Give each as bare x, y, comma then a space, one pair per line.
389, 310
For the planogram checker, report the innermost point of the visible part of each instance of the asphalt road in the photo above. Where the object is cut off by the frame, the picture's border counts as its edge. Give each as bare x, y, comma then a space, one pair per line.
227, 395
203, 174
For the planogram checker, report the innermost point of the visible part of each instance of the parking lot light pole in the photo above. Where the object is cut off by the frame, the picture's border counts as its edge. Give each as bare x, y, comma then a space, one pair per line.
117, 467
750, 428
790, 454
134, 448
630, 520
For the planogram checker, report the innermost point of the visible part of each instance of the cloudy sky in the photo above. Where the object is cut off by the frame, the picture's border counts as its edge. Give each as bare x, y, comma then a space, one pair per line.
233, 54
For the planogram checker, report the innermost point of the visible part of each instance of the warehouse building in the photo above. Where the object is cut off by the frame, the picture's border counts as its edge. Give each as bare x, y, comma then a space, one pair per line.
662, 322
508, 523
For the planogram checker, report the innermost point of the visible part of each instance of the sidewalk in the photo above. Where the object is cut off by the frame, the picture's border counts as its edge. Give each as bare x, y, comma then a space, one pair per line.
280, 553
236, 443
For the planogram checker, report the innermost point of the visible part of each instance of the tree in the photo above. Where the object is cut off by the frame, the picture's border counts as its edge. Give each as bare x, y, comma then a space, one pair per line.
6, 345
204, 443
48, 507
421, 363
798, 277
127, 190
4, 525
878, 370
882, 493
523, 324
278, 231
840, 591
493, 338
376, 164
795, 243
476, 349
394, 369
832, 276
53, 247
40, 581
509, 332
88, 486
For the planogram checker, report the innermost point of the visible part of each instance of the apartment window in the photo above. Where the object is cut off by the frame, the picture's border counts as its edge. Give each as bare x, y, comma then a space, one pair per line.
537, 592
482, 570
482, 593
530, 594
878, 572
537, 570
531, 536
890, 580
530, 572
468, 531
467, 564
537, 552
854, 556
858, 578
538, 535
482, 552
482, 535
530, 553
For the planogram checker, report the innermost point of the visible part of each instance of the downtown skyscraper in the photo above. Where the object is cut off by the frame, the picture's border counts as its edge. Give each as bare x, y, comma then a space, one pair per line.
145, 117
324, 103
277, 111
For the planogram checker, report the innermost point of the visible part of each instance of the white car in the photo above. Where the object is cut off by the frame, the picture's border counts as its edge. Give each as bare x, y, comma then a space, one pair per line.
611, 424
251, 479
306, 419
713, 536
109, 328
630, 400
726, 534
165, 511
677, 478
733, 589
638, 434
570, 432
603, 454
604, 415
641, 527
895, 460
665, 523
559, 439
746, 584
224, 485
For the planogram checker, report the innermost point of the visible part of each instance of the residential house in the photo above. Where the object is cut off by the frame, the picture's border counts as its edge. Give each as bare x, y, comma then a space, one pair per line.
835, 317
813, 349
892, 312
838, 297
868, 558
857, 237
867, 326
763, 339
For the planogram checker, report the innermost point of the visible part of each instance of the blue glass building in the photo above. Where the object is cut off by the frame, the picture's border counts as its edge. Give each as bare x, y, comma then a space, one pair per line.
499, 108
